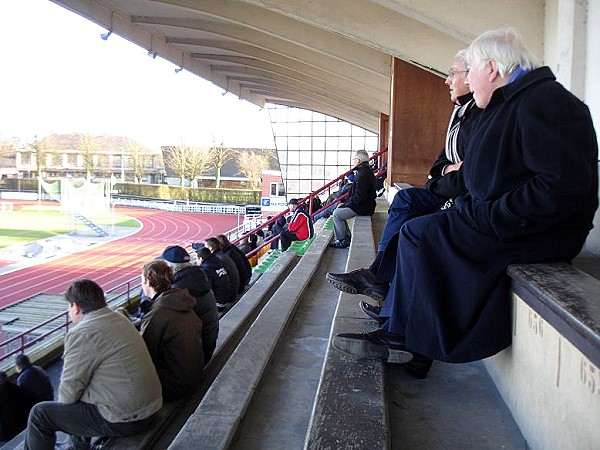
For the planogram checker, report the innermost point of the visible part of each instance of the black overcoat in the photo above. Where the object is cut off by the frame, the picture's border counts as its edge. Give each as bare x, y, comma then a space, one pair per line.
531, 174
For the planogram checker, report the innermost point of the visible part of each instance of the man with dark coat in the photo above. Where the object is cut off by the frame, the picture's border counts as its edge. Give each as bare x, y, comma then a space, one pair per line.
34, 380
14, 408
217, 275
190, 277
172, 332
445, 183
531, 174
361, 200
214, 246
240, 260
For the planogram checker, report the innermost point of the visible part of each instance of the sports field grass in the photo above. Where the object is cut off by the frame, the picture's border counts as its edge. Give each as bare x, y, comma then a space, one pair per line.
32, 223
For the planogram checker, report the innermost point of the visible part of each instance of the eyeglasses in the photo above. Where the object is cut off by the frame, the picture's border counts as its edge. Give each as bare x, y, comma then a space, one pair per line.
452, 73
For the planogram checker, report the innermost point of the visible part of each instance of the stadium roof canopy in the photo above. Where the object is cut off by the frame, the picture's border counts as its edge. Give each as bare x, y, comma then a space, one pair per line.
331, 56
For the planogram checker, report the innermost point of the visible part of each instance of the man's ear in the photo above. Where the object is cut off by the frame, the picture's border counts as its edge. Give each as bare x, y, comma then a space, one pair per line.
494, 74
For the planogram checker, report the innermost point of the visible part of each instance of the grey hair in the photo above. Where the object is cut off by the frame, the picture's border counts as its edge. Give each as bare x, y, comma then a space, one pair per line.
462, 55
503, 45
362, 155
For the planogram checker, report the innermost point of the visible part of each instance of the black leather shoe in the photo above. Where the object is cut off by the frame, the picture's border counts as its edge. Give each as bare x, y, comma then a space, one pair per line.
340, 244
371, 311
360, 281
419, 366
376, 344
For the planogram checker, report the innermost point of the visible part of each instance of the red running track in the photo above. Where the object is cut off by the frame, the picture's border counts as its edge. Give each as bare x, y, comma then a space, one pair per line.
115, 262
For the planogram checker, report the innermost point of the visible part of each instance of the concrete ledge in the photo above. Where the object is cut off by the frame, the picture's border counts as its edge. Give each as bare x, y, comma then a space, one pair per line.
549, 377
215, 422
350, 409
232, 326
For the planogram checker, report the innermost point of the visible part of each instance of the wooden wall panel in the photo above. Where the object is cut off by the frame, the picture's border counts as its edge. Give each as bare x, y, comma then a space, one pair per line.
420, 110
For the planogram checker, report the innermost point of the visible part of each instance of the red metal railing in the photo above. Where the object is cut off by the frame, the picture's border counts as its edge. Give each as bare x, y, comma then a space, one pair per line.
25, 339
307, 200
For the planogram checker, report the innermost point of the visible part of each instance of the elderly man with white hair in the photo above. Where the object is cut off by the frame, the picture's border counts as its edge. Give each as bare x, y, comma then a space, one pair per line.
532, 182
360, 202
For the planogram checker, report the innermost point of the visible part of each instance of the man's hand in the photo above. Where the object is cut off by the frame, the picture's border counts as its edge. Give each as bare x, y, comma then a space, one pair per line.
451, 168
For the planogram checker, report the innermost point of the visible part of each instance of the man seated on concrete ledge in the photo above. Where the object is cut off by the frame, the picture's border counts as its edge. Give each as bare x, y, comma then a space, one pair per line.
445, 183
172, 332
299, 226
34, 380
531, 174
108, 385
360, 201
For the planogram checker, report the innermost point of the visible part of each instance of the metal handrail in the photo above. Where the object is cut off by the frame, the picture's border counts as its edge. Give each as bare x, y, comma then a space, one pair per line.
131, 285
308, 199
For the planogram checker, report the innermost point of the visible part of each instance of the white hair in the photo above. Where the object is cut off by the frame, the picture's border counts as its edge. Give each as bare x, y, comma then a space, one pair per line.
461, 55
362, 155
505, 47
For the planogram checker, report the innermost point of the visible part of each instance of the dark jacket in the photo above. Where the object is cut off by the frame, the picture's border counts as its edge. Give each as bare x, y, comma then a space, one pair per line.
15, 404
232, 271
362, 193
194, 280
173, 335
452, 184
532, 176
35, 381
242, 264
218, 277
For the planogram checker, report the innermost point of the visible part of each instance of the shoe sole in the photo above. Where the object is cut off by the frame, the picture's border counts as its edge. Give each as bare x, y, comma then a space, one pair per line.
352, 290
366, 350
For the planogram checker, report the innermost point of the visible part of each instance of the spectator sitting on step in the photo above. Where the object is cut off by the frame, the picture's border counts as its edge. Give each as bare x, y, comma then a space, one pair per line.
172, 332
108, 385
298, 229
191, 277
240, 260
217, 275
214, 246
277, 228
34, 380
345, 186
15, 404
246, 246
260, 237
360, 201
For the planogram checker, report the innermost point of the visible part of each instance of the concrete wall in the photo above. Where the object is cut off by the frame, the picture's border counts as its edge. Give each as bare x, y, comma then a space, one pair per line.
551, 388
571, 34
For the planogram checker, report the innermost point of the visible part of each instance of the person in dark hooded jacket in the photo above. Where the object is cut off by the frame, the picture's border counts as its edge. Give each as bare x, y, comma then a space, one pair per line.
214, 246
217, 275
240, 260
190, 277
172, 332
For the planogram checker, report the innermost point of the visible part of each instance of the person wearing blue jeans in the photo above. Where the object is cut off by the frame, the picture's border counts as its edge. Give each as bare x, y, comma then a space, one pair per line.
445, 183
450, 298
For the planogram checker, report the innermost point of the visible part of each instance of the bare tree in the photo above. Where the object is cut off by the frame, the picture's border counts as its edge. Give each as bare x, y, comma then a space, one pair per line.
252, 165
41, 148
220, 155
177, 159
89, 146
139, 157
7, 153
199, 162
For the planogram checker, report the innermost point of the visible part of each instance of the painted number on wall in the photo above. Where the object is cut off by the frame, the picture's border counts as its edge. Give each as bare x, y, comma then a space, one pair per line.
536, 324
589, 376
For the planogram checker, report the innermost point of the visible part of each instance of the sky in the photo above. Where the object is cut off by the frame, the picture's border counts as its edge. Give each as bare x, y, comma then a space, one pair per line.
58, 76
